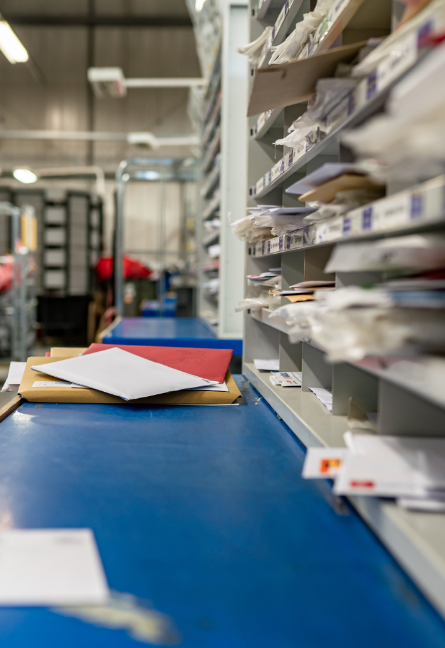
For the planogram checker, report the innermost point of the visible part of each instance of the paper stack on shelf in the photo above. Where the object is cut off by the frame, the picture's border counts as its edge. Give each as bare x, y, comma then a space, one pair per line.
408, 141
286, 378
271, 278
305, 290
399, 316
410, 469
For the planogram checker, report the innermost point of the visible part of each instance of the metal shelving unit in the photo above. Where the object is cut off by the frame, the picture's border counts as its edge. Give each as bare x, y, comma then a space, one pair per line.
223, 176
406, 401
71, 244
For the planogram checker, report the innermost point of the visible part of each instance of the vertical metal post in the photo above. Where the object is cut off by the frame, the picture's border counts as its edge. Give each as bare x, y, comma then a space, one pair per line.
161, 234
23, 311
16, 280
119, 242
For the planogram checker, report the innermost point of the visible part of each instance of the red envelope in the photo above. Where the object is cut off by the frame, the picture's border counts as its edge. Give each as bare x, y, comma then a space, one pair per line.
211, 364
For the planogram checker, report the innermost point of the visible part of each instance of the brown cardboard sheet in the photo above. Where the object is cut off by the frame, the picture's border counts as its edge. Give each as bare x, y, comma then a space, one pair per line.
277, 86
92, 396
326, 192
67, 352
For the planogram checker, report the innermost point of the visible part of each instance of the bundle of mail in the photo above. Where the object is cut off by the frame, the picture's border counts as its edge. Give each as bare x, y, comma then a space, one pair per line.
409, 469
401, 313
266, 221
262, 290
127, 374
408, 141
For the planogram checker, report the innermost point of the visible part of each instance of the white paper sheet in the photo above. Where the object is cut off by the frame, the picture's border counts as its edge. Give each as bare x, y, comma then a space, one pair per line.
289, 211
222, 387
324, 395
15, 375
433, 505
267, 365
392, 466
50, 567
122, 374
314, 284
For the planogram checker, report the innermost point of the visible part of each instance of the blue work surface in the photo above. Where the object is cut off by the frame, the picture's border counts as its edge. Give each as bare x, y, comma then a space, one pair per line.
166, 331
203, 512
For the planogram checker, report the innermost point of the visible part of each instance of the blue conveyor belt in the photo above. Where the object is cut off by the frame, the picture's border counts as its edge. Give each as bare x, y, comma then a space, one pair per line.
166, 331
202, 511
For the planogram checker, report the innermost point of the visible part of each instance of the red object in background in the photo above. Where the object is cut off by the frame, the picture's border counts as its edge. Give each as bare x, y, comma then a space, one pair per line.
133, 269
6, 275
210, 364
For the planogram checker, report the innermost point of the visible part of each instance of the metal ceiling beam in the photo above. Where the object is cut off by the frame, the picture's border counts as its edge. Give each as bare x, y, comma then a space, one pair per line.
41, 20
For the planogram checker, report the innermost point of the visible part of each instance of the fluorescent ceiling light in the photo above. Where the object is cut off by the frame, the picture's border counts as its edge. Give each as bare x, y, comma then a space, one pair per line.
25, 175
199, 4
10, 45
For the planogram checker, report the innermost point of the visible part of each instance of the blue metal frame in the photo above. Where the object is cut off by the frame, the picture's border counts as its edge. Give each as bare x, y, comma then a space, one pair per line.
165, 331
203, 512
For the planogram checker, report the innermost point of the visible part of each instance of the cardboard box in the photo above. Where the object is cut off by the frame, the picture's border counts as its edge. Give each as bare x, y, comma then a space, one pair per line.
283, 85
91, 396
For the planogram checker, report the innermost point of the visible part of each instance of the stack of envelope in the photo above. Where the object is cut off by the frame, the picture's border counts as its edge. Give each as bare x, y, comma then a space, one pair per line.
409, 469
131, 374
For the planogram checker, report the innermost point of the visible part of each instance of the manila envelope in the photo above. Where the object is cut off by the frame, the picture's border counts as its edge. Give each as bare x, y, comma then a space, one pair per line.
77, 395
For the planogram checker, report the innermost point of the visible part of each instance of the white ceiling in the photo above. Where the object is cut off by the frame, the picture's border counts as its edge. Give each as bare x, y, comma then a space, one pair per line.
52, 92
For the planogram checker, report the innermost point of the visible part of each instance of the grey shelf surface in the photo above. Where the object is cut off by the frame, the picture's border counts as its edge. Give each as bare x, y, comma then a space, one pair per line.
415, 539
269, 123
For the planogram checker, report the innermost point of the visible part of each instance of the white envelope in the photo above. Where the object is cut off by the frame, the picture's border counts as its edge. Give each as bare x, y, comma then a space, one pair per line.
15, 375
267, 365
122, 374
51, 567
386, 477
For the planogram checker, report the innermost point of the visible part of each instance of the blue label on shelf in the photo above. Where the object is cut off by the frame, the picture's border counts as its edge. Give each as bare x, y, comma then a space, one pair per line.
291, 157
423, 34
281, 243
268, 247
351, 104
367, 219
346, 226
288, 243
262, 247
286, 7
416, 206
282, 165
371, 85
270, 176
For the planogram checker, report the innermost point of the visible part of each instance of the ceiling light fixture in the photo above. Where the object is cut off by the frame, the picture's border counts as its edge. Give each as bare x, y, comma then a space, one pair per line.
10, 44
25, 175
199, 4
